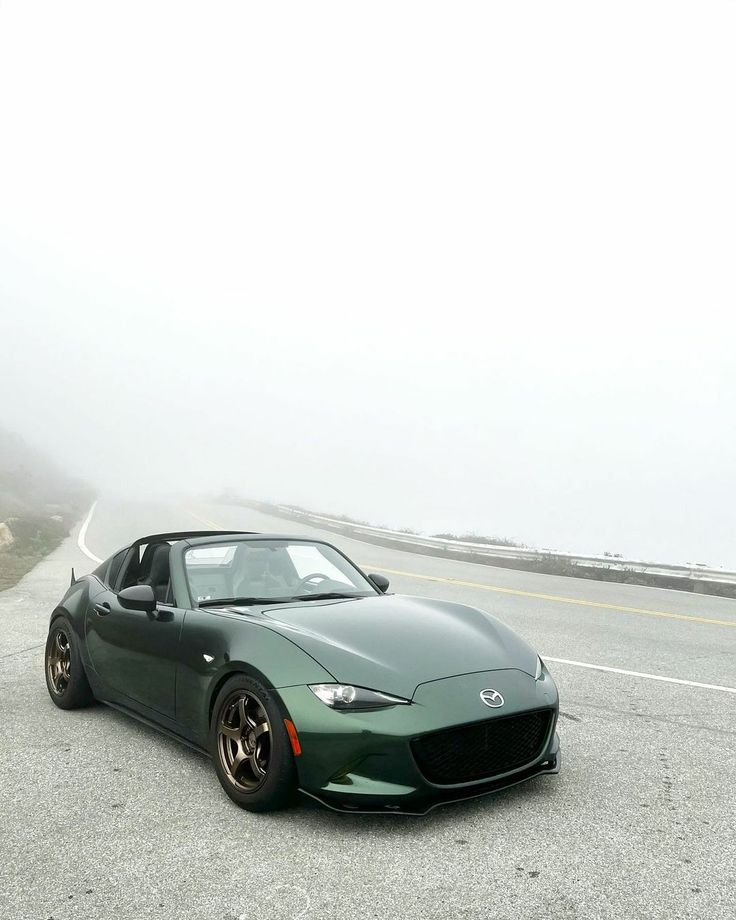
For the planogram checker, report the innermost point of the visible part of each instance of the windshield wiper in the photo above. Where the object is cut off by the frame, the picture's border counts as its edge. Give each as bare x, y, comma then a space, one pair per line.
241, 601
327, 596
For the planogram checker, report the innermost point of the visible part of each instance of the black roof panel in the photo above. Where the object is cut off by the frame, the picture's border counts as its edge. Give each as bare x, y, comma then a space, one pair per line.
187, 534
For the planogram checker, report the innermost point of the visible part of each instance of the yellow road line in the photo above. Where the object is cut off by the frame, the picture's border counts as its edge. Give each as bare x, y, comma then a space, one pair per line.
640, 611
206, 521
563, 600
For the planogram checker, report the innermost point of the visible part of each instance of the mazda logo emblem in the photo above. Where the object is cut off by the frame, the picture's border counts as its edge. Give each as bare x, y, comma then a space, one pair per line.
491, 698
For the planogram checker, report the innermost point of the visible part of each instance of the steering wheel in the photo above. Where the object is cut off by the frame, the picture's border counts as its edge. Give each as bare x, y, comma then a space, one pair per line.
304, 582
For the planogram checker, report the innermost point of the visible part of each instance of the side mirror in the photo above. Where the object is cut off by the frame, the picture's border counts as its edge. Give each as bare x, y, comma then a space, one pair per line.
381, 582
138, 597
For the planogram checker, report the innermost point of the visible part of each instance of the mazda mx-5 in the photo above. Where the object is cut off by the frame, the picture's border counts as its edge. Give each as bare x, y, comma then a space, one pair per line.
295, 671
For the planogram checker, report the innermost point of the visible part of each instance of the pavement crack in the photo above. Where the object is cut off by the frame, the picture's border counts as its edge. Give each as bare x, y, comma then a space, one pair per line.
570, 716
652, 717
22, 651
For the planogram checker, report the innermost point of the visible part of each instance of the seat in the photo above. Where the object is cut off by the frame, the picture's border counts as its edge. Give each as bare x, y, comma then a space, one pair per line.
255, 573
159, 574
250, 571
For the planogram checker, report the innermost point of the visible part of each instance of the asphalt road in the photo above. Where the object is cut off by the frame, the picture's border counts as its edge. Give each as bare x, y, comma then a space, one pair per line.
104, 818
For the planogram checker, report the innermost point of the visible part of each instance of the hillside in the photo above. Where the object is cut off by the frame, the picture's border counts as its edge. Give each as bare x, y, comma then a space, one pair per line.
39, 504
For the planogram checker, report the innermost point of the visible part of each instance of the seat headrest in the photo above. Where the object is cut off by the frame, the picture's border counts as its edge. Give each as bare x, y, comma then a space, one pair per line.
252, 561
159, 572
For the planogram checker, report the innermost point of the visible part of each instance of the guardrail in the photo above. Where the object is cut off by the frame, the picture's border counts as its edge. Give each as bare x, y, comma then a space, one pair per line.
704, 579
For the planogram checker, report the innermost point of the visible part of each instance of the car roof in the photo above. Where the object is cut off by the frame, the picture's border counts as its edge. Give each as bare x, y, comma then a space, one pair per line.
245, 537
199, 537
185, 535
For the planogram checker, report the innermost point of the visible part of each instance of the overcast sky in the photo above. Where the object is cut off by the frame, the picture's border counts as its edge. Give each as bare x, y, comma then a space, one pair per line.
437, 265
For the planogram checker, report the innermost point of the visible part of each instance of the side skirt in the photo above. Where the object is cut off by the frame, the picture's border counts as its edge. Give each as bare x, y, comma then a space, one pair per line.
157, 726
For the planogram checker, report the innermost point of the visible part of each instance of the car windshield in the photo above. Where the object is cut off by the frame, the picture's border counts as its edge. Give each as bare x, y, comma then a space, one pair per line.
271, 571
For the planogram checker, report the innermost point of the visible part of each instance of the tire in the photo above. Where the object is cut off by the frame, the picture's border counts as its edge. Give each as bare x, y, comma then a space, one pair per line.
250, 747
65, 677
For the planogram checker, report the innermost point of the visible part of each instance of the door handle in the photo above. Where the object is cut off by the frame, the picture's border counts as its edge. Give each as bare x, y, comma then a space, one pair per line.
102, 609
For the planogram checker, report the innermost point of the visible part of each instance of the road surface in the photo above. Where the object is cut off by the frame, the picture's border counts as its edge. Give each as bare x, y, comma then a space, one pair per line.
104, 818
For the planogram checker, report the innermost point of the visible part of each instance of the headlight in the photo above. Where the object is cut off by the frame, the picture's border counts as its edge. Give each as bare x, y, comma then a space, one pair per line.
345, 696
540, 668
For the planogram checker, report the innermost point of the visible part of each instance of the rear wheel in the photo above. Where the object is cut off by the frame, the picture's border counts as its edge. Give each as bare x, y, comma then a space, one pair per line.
250, 746
65, 678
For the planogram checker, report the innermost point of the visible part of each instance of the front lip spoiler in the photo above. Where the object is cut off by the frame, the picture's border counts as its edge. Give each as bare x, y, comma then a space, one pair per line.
422, 802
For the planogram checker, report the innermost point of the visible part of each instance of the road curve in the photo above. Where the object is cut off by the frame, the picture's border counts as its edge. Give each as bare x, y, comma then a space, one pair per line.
105, 818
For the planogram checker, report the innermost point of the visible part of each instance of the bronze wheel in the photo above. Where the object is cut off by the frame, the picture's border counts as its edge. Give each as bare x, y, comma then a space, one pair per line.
250, 746
59, 662
63, 667
244, 740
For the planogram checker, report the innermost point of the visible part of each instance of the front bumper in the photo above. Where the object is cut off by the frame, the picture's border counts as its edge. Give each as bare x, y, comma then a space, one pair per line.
363, 761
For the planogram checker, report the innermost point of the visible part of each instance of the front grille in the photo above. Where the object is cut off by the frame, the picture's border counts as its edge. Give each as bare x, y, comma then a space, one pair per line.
484, 749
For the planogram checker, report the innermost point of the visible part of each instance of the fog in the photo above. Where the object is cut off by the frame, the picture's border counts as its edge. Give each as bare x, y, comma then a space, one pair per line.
443, 266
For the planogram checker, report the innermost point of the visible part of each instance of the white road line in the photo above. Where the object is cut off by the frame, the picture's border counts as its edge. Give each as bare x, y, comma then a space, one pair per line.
83, 534
667, 680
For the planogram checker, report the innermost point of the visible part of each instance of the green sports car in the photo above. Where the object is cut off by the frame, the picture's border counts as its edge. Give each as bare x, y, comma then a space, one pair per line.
295, 671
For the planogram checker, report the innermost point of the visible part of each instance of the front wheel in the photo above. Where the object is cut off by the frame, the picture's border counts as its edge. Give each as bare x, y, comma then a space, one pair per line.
250, 746
65, 678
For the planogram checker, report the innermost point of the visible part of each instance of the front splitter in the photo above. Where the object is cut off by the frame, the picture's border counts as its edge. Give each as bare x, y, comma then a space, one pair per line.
422, 802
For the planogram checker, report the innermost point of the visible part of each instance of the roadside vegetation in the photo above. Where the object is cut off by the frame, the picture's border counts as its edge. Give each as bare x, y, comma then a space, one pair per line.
477, 538
39, 504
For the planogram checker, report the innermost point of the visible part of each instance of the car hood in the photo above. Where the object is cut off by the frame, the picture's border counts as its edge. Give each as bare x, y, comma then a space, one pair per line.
394, 643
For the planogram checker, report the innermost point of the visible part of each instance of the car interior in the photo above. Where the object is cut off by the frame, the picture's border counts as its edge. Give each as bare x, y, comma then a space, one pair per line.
251, 572
150, 568
235, 570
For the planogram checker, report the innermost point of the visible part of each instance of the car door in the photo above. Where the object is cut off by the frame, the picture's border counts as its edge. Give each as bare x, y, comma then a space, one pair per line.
134, 652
